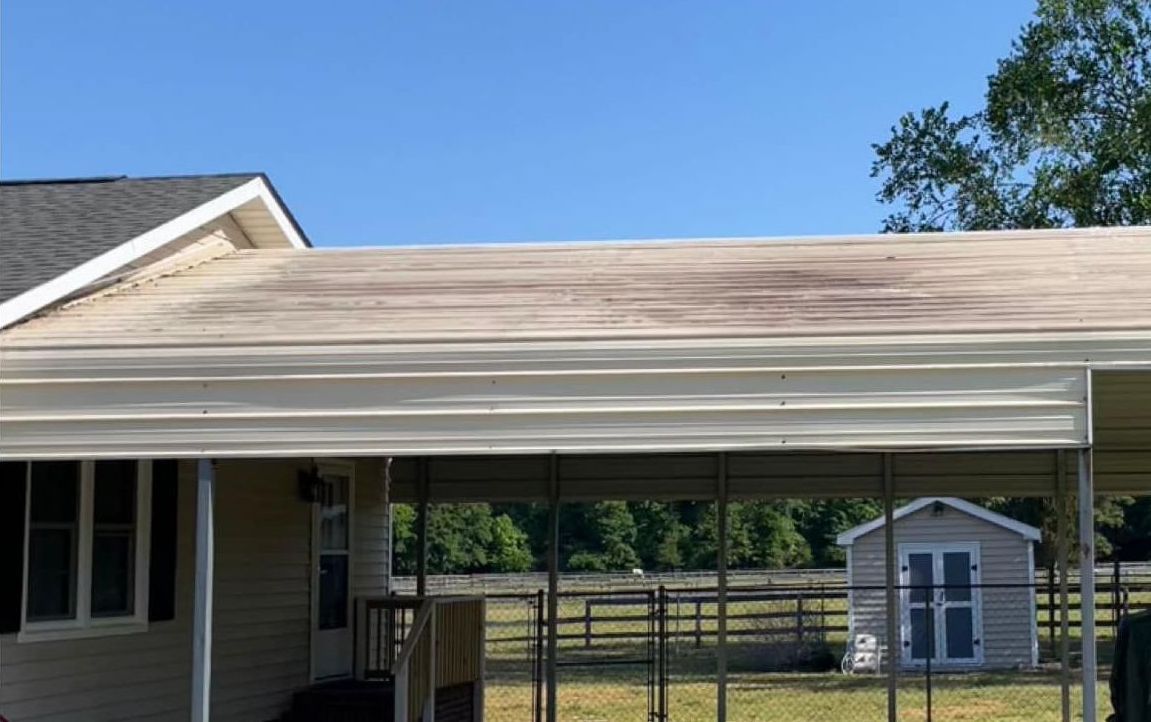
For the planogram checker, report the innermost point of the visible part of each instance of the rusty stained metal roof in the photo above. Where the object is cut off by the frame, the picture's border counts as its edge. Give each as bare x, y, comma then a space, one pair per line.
1012, 281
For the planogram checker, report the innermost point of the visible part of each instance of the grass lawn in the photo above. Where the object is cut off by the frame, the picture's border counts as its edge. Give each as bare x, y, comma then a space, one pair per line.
600, 696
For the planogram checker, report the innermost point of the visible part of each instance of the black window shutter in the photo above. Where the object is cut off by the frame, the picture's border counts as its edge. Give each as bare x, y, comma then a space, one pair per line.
13, 486
162, 566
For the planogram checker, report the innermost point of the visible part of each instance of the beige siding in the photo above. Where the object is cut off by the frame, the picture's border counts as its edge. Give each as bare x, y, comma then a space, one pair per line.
1007, 621
140, 676
262, 610
261, 650
372, 542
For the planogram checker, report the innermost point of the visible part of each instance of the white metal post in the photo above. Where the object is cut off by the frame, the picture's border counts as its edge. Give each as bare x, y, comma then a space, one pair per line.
1062, 554
889, 587
205, 564
721, 589
1087, 581
422, 527
553, 585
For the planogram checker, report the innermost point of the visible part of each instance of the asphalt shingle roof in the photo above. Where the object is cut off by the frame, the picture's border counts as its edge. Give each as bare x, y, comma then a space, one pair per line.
49, 227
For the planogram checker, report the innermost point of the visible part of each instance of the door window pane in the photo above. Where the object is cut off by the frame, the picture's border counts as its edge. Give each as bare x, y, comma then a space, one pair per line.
334, 514
919, 567
53, 531
333, 612
960, 634
919, 635
114, 539
957, 576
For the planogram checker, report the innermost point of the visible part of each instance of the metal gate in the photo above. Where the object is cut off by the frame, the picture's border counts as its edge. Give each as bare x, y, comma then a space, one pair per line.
612, 646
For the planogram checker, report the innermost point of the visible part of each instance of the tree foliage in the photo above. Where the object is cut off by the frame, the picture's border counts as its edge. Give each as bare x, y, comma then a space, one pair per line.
1063, 138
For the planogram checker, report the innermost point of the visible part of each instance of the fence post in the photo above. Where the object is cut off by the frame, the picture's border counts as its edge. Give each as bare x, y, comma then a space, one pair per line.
698, 623
587, 623
799, 618
1051, 609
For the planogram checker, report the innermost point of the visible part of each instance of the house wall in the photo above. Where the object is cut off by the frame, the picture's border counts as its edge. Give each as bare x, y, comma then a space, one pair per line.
262, 612
1007, 613
139, 676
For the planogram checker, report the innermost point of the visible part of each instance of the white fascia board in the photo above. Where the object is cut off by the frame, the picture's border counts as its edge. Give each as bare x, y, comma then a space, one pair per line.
1027, 531
93, 270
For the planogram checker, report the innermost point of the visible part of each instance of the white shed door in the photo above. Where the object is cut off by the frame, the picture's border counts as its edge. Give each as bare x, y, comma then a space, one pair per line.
941, 604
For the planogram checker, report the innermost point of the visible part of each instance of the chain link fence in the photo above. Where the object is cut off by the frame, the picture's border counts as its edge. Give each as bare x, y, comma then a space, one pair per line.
794, 652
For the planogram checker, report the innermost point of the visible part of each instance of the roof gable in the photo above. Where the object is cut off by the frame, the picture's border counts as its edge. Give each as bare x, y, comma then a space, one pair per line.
57, 236
1027, 531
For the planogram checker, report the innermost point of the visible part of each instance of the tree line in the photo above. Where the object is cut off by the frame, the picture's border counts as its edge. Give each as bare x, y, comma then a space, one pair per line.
611, 536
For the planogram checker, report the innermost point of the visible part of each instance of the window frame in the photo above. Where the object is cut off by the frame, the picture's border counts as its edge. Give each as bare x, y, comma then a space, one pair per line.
84, 624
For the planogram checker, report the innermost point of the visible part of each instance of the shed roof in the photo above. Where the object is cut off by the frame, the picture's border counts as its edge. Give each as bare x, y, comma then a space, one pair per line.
848, 537
1013, 281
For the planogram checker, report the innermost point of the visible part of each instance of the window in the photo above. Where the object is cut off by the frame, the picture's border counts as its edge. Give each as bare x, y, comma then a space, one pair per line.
88, 531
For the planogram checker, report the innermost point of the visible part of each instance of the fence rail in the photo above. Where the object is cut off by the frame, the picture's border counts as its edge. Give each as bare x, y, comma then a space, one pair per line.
521, 583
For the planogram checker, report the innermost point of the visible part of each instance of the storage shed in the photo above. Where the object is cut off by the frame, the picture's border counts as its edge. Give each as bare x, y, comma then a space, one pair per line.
966, 580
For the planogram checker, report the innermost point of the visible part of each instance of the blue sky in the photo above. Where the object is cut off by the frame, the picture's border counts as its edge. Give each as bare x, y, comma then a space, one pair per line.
482, 120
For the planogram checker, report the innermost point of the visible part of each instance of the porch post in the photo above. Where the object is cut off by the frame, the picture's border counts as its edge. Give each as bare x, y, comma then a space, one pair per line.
890, 561
205, 563
721, 589
1061, 561
422, 526
1087, 581
553, 584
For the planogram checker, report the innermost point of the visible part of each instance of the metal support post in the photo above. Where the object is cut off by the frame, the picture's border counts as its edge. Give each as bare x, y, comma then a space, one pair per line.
890, 563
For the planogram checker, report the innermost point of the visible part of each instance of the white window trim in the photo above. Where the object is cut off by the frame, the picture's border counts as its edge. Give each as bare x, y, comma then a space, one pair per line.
84, 624
938, 548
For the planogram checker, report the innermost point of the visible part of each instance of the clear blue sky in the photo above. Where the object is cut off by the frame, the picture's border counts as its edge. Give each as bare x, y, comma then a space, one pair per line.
482, 120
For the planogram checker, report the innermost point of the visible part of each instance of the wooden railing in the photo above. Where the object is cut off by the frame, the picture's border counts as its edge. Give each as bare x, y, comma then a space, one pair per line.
421, 644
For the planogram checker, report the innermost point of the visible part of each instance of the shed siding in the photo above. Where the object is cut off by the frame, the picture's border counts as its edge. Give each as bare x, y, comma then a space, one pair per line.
261, 650
139, 676
1007, 630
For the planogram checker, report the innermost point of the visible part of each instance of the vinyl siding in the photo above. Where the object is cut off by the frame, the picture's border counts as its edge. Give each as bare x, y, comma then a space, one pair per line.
139, 676
260, 648
261, 651
1007, 631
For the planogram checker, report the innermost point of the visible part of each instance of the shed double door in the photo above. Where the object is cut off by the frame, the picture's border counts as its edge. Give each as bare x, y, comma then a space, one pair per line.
941, 604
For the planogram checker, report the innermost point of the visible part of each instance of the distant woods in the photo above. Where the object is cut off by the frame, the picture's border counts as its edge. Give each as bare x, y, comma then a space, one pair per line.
656, 536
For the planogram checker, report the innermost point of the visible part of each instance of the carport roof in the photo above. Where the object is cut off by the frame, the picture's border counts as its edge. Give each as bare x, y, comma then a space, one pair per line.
1081, 280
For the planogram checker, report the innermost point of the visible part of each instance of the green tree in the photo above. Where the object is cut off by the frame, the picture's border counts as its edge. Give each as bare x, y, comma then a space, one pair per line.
660, 534
1063, 137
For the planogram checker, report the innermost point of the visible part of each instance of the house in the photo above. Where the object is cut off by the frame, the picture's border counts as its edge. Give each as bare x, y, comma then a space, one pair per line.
193, 358
967, 585
97, 607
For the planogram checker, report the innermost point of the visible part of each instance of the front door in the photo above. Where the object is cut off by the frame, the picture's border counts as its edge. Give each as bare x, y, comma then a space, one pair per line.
331, 572
941, 604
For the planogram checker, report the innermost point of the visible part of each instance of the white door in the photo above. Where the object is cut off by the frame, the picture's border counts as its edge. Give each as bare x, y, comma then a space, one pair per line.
941, 604
332, 570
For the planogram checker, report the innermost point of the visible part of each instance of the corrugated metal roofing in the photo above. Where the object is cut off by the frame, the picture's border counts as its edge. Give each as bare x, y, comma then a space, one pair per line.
49, 227
1011, 281
886, 343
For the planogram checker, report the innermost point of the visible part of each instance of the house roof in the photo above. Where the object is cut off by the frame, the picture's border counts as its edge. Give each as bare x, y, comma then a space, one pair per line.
1087, 280
848, 537
49, 228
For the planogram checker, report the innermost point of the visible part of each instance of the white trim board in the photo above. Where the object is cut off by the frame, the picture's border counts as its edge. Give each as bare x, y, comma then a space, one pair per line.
1027, 531
67, 283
